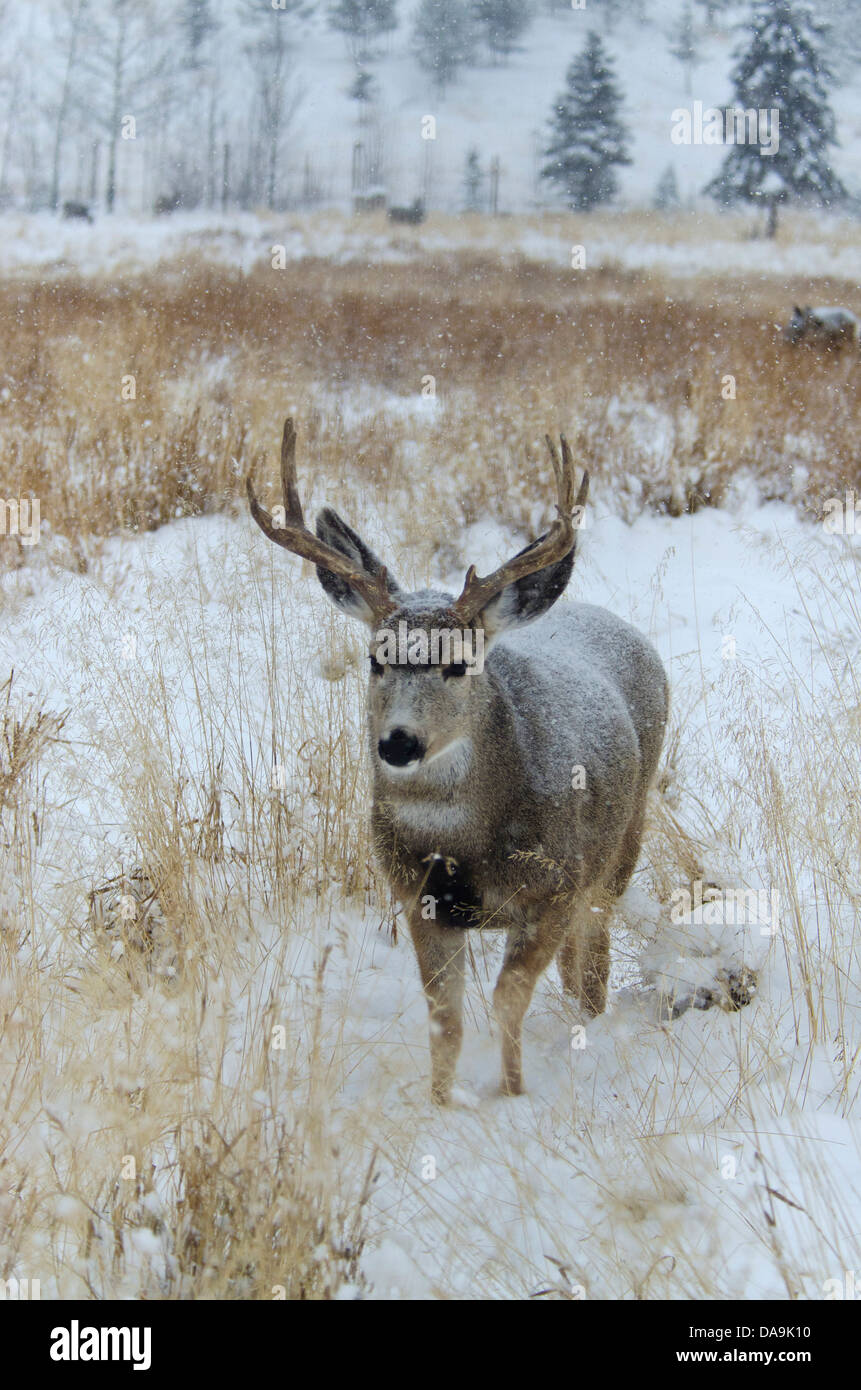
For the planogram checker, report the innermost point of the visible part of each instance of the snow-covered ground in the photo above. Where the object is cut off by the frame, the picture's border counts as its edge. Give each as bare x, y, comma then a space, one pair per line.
716, 1155
692, 243
213, 734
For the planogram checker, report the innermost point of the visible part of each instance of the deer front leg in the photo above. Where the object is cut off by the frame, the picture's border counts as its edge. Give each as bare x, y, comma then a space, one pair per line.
528, 952
441, 953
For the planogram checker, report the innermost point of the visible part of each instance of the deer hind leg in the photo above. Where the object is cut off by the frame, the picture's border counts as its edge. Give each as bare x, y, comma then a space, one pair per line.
593, 946
594, 950
629, 855
441, 953
528, 952
584, 958
590, 938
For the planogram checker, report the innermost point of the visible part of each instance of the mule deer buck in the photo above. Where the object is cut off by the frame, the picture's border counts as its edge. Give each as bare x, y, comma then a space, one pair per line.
829, 327
505, 797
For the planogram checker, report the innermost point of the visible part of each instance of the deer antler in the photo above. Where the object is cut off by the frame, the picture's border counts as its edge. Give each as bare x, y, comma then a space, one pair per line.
559, 540
295, 536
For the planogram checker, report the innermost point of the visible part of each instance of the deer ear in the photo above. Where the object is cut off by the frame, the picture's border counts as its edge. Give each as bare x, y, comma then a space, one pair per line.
796, 310
527, 598
336, 533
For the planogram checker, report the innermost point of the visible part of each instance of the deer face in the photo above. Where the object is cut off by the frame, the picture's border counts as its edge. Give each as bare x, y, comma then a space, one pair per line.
427, 653
425, 671
426, 660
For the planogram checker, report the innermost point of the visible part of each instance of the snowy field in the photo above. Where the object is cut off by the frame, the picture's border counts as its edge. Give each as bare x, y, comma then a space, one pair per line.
214, 1060
225, 1092
705, 243
713, 1156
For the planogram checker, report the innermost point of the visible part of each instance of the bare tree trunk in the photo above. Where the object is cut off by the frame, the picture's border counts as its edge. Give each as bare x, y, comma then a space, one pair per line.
270, 178
161, 136
211, 145
116, 114
10, 126
225, 177
65, 101
96, 150
111, 184
494, 186
273, 106
253, 179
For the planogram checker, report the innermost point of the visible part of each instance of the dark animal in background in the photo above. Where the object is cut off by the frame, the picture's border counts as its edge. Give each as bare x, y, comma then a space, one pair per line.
413, 215
168, 202
830, 327
79, 211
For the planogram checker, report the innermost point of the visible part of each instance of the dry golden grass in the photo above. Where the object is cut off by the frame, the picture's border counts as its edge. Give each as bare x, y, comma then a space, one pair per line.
147, 1148
633, 371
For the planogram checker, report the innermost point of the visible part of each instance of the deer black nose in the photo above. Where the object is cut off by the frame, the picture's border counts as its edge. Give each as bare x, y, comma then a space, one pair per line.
400, 748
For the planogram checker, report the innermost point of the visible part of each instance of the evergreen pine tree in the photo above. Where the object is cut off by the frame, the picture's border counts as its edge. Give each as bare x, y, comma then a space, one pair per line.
443, 38
685, 46
712, 9
198, 22
501, 23
612, 12
588, 138
363, 91
667, 192
780, 68
363, 88
362, 22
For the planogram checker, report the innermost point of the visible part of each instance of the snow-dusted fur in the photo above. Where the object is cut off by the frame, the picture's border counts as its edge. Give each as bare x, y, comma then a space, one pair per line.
832, 327
523, 807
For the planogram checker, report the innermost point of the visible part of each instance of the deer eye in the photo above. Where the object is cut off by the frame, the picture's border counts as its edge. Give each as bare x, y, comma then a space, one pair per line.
456, 669
377, 667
